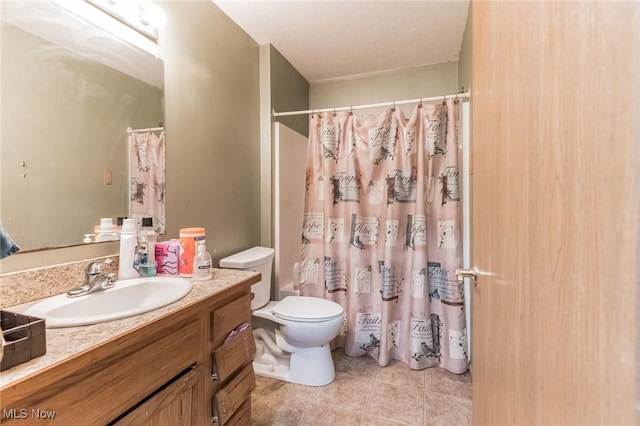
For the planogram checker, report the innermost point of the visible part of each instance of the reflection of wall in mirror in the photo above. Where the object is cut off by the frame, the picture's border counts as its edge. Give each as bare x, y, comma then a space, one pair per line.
64, 122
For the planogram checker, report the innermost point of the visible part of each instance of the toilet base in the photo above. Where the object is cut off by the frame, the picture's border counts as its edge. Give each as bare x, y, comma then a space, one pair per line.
312, 366
306, 366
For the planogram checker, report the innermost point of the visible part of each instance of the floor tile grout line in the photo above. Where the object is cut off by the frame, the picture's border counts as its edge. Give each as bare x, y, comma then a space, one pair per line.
448, 394
306, 412
373, 382
400, 422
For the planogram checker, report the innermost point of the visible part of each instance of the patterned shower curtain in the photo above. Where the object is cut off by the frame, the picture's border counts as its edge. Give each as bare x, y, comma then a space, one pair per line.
147, 178
382, 232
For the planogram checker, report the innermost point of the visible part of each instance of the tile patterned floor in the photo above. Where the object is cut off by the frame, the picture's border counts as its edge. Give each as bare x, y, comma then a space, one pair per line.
366, 394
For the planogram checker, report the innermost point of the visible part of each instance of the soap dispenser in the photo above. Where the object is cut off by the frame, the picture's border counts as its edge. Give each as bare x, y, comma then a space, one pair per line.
202, 263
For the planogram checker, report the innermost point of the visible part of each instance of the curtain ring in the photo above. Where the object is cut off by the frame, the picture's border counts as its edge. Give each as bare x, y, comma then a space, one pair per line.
444, 99
393, 108
350, 110
334, 111
420, 104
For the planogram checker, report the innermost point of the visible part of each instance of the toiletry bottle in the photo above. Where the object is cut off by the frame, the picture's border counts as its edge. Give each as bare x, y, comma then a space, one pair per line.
128, 240
188, 239
106, 231
141, 253
146, 249
151, 250
202, 263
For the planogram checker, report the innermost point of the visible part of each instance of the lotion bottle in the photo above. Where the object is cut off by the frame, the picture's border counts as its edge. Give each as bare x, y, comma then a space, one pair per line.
128, 242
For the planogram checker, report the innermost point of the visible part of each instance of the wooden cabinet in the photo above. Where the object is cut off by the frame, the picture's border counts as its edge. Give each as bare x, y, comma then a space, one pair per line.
173, 370
232, 378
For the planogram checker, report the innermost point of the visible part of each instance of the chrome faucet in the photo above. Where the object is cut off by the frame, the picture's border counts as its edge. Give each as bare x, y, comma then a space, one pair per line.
94, 280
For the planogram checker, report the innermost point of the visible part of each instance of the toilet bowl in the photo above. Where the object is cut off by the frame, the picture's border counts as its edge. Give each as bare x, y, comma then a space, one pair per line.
292, 335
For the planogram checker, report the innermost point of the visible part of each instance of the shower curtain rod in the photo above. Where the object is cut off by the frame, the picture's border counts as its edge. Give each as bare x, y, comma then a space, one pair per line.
382, 104
151, 129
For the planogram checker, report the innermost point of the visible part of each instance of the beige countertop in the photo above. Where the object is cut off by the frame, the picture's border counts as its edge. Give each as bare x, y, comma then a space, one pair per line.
64, 343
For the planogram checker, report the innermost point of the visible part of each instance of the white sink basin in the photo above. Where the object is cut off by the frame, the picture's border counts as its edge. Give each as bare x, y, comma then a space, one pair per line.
127, 298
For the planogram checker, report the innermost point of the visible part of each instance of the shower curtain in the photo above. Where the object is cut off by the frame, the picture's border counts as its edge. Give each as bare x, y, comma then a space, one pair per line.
382, 232
147, 178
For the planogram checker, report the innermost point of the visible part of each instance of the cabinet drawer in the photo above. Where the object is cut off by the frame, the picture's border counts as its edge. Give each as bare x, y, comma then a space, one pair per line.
228, 317
234, 354
231, 396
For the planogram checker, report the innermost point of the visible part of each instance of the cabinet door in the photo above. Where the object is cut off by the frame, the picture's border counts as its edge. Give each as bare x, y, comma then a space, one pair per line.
174, 405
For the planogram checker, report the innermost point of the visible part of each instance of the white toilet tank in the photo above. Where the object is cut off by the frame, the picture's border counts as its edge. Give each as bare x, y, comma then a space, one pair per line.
259, 259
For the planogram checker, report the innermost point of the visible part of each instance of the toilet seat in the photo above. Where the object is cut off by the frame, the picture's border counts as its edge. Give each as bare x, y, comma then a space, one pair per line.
306, 309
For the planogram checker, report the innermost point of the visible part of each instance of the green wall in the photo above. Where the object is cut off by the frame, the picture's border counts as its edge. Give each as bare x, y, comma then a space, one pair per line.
289, 92
410, 83
212, 124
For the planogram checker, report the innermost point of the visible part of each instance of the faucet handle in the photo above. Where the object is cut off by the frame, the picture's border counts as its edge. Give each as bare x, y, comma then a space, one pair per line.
94, 268
110, 281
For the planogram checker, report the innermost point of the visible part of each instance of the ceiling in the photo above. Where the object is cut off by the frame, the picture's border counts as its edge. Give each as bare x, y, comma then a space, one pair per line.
326, 39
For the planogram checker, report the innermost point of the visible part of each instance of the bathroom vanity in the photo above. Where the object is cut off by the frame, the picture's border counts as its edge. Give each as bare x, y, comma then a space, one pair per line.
170, 366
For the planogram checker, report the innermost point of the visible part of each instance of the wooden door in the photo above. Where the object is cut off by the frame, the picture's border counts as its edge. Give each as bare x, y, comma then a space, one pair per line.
555, 152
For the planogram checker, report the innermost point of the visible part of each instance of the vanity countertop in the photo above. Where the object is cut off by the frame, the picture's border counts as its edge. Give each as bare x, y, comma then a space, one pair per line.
64, 343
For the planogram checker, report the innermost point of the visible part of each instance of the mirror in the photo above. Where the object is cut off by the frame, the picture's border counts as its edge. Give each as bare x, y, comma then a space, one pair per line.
69, 91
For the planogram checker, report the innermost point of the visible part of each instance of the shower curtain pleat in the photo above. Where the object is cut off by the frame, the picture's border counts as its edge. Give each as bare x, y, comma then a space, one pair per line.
382, 233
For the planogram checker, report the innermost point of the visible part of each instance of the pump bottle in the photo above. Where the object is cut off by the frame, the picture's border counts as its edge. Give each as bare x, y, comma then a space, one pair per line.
202, 263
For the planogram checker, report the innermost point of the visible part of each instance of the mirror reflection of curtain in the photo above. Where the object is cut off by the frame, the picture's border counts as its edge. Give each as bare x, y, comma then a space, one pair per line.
147, 178
382, 232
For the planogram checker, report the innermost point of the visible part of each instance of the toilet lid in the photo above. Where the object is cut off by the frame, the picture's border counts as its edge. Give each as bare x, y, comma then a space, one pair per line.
306, 309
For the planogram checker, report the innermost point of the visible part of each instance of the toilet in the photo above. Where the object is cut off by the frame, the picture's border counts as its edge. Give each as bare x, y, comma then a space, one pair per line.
292, 335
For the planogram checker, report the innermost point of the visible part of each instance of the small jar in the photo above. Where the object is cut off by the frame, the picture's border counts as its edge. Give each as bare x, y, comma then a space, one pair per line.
188, 238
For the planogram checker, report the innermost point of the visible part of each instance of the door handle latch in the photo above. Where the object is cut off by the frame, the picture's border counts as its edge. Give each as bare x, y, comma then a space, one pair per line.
467, 273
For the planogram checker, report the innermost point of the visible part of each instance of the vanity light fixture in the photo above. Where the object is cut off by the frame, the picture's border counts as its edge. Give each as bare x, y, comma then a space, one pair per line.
130, 30
145, 18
